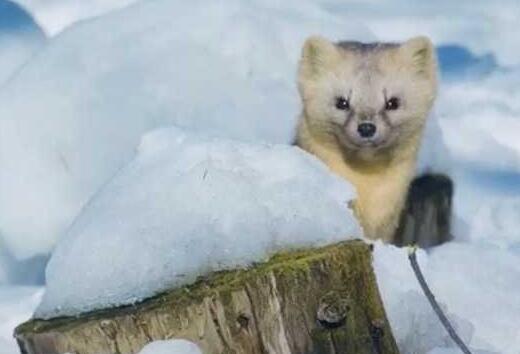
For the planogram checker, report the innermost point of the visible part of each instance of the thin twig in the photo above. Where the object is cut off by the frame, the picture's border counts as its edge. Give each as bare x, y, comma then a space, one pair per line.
431, 298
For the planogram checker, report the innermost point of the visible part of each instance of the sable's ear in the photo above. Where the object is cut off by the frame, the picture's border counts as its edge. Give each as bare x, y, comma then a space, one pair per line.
318, 54
419, 51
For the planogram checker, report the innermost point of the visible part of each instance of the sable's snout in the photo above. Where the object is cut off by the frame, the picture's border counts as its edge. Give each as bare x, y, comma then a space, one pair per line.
366, 130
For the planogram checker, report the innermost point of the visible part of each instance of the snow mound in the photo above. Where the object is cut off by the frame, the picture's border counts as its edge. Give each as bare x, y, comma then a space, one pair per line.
476, 284
187, 206
226, 68
177, 346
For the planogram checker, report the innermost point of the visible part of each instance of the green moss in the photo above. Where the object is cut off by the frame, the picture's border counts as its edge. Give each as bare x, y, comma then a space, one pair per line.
224, 282
322, 341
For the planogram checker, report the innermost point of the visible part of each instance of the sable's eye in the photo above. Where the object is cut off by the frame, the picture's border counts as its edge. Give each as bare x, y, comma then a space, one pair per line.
392, 104
342, 103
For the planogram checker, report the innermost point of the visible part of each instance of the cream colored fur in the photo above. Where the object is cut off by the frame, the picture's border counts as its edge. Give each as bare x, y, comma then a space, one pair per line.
367, 75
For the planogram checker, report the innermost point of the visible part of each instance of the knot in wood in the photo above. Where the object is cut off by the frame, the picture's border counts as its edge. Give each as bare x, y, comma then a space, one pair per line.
243, 320
332, 310
109, 328
377, 332
377, 328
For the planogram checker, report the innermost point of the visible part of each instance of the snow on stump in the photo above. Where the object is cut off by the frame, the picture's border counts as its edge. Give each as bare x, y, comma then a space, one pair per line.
318, 301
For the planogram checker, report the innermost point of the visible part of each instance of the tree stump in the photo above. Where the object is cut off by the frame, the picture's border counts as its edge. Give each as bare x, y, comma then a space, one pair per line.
320, 301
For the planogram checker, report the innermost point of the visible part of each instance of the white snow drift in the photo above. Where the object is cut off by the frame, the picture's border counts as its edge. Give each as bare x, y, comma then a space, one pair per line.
225, 68
187, 206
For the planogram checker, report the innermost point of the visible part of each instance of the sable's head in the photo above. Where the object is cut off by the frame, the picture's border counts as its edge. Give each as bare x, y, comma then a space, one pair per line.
367, 97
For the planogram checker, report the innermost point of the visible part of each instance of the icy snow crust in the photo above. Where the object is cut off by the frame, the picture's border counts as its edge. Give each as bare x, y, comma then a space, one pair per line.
187, 206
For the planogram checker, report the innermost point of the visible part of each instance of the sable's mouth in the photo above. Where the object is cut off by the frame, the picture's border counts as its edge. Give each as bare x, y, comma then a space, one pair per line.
361, 144
369, 147
368, 143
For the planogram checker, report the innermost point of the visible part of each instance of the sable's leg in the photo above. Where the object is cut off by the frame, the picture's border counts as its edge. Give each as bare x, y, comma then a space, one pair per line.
426, 217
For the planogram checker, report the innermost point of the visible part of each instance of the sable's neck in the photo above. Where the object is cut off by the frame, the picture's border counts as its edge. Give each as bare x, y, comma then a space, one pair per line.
404, 154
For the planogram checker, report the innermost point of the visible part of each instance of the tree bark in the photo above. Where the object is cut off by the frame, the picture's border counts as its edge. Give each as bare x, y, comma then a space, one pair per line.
321, 301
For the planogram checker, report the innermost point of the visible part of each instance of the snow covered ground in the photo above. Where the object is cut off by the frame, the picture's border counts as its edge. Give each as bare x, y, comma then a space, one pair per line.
72, 116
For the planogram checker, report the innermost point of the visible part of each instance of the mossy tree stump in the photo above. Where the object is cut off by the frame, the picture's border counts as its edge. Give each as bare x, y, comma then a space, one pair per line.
320, 301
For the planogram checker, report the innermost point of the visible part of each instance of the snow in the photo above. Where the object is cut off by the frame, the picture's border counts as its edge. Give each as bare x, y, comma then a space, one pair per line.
98, 87
479, 121
177, 346
477, 284
16, 306
188, 205
20, 37
111, 72
55, 15
478, 28
21, 272
73, 111
482, 26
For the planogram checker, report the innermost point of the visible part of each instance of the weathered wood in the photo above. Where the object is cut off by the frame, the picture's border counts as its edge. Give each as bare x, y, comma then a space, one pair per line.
426, 218
319, 301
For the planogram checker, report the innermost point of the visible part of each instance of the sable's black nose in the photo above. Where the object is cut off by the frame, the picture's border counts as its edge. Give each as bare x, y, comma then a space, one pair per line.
366, 130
